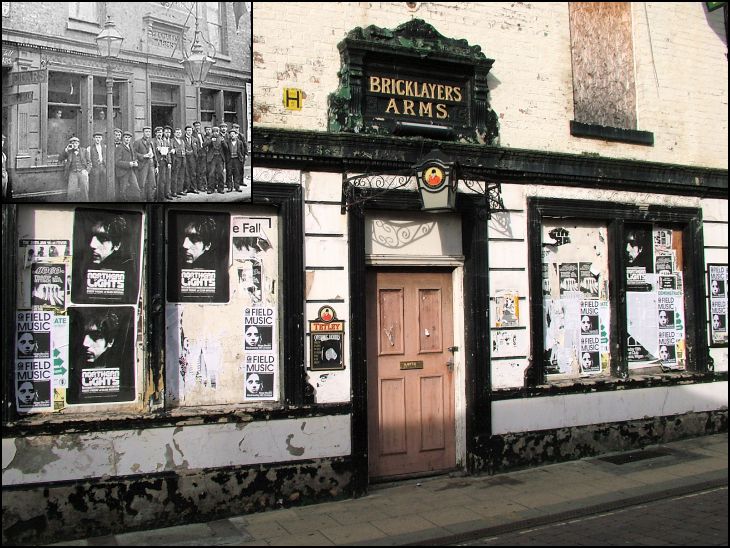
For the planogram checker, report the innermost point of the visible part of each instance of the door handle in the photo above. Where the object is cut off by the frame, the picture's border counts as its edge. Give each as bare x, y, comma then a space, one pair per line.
450, 364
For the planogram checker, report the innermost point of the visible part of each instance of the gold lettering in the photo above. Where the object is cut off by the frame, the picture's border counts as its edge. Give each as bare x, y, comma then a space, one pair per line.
432, 88
409, 88
408, 108
424, 90
399, 87
392, 104
457, 94
441, 112
441, 92
386, 85
425, 109
375, 84
448, 93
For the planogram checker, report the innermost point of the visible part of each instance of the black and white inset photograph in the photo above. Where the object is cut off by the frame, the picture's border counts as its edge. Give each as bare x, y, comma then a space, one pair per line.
107, 257
589, 325
101, 354
198, 257
590, 362
665, 319
668, 353
173, 123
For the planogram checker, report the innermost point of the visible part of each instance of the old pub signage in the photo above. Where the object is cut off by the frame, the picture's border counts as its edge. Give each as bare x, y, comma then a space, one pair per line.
412, 81
415, 98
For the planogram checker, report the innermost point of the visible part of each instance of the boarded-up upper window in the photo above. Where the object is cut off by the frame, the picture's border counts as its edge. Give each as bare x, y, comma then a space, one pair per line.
604, 91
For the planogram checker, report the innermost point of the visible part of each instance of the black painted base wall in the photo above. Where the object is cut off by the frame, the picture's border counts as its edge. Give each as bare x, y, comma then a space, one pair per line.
51, 513
498, 453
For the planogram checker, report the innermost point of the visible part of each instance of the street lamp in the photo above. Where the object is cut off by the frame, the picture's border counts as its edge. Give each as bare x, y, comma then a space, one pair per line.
109, 43
197, 64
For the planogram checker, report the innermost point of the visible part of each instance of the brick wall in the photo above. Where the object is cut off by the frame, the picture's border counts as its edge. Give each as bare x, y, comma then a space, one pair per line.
680, 66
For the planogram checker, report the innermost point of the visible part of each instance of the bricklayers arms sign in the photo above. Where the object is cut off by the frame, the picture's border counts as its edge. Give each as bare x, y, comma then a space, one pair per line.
412, 81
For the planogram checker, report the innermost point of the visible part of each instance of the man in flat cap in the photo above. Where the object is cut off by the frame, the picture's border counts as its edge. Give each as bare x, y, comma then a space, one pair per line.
146, 164
178, 163
76, 170
236, 159
158, 146
201, 160
217, 151
97, 179
191, 161
125, 165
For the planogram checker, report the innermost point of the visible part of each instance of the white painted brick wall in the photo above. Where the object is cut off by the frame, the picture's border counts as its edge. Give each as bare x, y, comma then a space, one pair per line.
680, 65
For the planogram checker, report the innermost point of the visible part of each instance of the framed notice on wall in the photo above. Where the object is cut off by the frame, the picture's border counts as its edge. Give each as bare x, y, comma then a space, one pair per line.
717, 284
327, 341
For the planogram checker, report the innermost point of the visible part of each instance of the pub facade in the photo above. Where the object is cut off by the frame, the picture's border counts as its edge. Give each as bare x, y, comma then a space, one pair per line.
462, 255
54, 82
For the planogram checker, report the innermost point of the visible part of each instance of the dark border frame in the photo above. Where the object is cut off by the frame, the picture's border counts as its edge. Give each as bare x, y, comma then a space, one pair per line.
616, 216
476, 327
709, 308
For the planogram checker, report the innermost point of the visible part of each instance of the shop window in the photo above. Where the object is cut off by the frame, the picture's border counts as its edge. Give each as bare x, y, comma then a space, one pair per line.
231, 107
620, 293
575, 288
64, 111
79, 273
208, 107
222, 312
100, 105
231, 327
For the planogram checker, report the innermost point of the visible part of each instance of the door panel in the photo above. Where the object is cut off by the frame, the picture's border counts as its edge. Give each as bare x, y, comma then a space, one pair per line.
410, 386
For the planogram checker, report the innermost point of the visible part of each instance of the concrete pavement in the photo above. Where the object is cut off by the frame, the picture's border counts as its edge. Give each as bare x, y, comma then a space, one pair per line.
451, 510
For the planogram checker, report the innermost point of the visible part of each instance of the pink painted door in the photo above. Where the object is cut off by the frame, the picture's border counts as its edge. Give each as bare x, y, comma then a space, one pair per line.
410, 384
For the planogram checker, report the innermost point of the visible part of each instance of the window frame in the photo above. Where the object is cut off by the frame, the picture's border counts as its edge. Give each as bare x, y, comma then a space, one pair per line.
616, 216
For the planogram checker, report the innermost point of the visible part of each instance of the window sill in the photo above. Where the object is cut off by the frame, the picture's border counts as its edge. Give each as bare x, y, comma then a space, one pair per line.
40, 424
647, 378
605, 133
80, 25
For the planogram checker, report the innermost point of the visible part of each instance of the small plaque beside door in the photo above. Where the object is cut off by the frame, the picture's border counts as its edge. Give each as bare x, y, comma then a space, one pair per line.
411, 365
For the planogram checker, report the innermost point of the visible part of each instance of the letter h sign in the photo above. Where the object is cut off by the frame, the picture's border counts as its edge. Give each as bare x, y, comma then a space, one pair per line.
293, 98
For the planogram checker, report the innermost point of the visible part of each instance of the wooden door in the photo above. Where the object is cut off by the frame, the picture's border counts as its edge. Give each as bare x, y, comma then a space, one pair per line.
410, 384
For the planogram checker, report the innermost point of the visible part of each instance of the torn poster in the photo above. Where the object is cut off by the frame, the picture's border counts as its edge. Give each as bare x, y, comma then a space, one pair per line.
507, 308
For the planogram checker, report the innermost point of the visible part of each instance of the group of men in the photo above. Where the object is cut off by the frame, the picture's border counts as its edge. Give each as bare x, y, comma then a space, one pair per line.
163, 167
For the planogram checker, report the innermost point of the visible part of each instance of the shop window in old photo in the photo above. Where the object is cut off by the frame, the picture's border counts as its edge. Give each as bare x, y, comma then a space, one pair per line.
79, 283
223, 350
575, 287
653, 262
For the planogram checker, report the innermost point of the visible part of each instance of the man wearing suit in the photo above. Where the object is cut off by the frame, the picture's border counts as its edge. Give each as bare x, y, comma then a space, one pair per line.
191, 164
146, 164
97, 179
236, 159
76, 170
178, 163
217, 151
125, 164
161, 172
201, 160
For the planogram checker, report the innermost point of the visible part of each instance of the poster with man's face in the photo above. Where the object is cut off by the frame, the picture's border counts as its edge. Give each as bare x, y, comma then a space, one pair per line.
107, 250
102, 354
198, 257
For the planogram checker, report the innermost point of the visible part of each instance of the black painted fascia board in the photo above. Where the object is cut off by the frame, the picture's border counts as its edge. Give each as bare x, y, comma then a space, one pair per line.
341, 152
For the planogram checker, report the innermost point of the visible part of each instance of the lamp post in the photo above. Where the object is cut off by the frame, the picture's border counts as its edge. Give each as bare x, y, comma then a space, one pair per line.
197, 64
109, 43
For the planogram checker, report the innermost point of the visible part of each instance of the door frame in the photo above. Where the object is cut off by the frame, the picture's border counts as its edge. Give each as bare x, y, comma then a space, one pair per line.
476, 349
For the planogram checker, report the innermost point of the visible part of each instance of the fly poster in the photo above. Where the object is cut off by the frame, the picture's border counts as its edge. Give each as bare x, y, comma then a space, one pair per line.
198, 257
717, 274
107, 252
